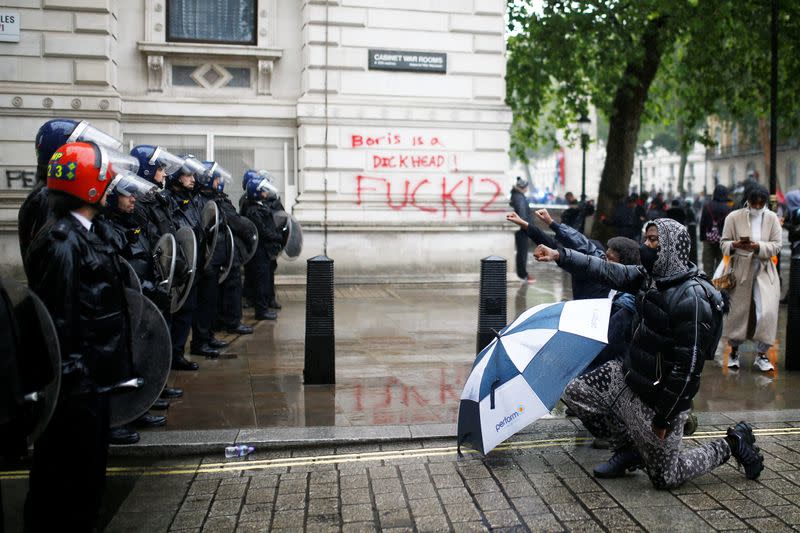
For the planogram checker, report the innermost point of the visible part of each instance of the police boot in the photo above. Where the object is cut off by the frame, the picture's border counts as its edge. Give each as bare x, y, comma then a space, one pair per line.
625, 459
160, 405
217, 343
274, 304
122, 435
170, 393
182, 363
268, 315
240, 329
150, 421
205, 350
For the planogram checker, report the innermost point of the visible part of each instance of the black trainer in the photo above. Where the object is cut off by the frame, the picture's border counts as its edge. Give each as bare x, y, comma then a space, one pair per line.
625, 459
743, 448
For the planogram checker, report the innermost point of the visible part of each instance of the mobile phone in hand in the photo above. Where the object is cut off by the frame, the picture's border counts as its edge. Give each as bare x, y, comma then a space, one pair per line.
746, 238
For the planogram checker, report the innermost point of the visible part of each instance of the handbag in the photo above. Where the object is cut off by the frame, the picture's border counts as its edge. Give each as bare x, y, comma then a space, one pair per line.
723, 279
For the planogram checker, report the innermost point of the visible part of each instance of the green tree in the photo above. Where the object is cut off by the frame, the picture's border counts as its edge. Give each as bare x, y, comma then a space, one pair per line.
646, 61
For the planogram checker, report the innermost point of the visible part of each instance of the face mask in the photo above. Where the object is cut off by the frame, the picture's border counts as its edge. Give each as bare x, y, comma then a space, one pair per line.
756, 212
648, 256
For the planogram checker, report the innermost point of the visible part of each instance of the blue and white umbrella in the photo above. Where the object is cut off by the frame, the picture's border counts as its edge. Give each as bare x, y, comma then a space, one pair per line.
523, 372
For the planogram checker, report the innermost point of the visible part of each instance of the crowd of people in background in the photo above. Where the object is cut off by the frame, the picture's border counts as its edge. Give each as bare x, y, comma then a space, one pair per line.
730, 231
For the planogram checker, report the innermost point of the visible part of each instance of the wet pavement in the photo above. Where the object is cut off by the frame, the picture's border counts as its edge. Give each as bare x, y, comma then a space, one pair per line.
539, 481
403, 353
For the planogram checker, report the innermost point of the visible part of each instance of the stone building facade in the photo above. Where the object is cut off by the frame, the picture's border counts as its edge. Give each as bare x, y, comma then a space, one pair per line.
406, 170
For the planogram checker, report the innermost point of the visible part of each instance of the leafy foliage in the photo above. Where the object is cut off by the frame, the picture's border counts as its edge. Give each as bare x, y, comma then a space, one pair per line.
716, 60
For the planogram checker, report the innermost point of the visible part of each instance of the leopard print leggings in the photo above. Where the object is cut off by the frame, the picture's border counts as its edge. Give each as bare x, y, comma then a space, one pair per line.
610, 410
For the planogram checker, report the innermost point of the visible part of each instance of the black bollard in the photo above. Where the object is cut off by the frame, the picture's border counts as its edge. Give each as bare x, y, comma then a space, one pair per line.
793, 318
492, 306
320, 366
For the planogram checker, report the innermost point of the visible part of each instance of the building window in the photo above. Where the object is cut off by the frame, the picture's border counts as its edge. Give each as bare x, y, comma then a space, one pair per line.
715, 174
212, 21
791, 173
732, 176
691, 169
735, 138
718, 140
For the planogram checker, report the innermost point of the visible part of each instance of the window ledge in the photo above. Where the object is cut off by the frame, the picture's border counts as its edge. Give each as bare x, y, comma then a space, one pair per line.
156, 52
209, 49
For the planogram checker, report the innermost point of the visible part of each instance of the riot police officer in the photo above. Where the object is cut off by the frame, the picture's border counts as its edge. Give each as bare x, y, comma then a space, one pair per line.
186, 212
156, 164
78, 277
229, 298
54, 133
269, 243
207, 184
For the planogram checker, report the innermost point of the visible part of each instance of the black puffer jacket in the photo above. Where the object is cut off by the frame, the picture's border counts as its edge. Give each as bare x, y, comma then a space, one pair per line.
79, 279
679, 320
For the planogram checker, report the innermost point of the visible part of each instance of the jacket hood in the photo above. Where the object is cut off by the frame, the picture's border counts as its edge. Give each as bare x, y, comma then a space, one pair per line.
793, 200
720, 193
674, 246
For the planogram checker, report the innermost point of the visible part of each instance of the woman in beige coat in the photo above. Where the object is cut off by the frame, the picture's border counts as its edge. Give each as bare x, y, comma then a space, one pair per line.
752, 237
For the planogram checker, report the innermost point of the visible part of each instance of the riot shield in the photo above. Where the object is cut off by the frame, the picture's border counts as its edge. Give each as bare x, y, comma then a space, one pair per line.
185, 267
247, 244
38, 356
230, 248
293, 239
152, 357
130, 277
210, 220
164, 258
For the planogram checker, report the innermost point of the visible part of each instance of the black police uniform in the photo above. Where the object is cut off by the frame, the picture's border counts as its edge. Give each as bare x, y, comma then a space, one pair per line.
78, 277
33, 214
269, 245
274, 203
138, 237
208, 285
230, 290
185, 213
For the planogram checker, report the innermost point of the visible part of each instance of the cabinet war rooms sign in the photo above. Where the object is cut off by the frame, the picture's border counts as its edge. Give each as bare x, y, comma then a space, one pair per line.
407, 61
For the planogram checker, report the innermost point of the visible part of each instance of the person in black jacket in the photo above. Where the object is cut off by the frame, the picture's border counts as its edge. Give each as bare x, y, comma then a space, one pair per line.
520, 205
575, 215
186, 212
133, 240
712, 220
78, 277
568, 237
269, 240
626, 219
642, 404
229, 292
207, 185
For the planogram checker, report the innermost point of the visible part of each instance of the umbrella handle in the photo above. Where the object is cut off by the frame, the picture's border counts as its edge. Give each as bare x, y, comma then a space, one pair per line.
491, 393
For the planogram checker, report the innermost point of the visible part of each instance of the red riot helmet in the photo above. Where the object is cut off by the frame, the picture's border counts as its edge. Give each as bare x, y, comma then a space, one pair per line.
82, 170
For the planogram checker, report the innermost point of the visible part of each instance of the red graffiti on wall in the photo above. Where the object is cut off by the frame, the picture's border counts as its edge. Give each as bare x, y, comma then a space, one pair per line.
394, 139
456, 195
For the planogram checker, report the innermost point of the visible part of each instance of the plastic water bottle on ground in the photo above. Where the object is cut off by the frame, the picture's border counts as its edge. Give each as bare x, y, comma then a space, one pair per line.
238, 451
